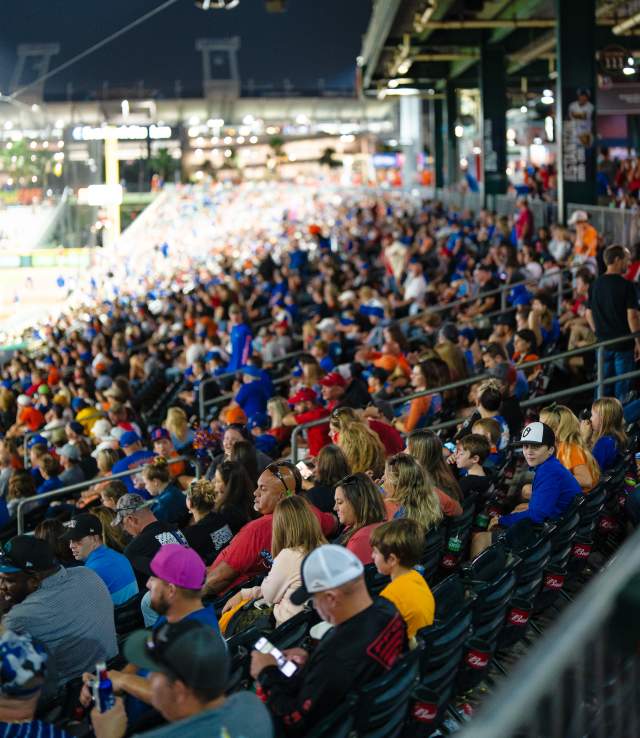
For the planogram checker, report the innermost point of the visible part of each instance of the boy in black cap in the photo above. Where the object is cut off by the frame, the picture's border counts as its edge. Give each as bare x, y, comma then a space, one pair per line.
84, 536
189, 666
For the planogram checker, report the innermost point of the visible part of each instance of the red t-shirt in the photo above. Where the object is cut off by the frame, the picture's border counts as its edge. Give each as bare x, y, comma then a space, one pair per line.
360, 544
249, 552
318, 436
391, 439
31, 417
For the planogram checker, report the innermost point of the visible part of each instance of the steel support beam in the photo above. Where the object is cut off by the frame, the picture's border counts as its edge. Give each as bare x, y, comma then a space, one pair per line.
575, 102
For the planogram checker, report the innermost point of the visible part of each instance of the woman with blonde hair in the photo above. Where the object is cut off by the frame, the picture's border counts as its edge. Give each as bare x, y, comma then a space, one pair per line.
426, 448
360, 509
409, 491
362, 448
295, 533
277, 408
177, 424
604, 432
112, 536
571, 450
211, 529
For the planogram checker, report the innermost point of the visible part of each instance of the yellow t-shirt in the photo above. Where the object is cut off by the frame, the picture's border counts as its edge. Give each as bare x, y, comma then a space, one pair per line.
411, 595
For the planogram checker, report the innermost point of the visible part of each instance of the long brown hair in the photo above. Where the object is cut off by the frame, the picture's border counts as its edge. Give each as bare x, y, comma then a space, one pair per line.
295, 526
365, 499
426, 448
611, 412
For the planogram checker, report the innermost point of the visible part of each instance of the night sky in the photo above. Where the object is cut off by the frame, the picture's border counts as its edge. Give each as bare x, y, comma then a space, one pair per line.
312, 39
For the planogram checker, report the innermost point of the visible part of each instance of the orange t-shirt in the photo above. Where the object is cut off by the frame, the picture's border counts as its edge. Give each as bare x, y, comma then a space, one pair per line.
570, 455
587, 242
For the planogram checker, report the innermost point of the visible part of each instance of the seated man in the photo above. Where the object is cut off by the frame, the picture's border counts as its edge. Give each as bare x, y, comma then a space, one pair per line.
147, 533
366, 641
189, 666
249, 552
23, 669
84, 536
68, 610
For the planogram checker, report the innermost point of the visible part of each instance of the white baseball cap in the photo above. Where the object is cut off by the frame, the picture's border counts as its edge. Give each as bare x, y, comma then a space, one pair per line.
538, 434
578, 216
327, 567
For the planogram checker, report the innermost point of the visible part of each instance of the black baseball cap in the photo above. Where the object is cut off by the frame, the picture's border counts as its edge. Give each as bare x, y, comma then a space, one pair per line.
190, 651
26, 554
81, 526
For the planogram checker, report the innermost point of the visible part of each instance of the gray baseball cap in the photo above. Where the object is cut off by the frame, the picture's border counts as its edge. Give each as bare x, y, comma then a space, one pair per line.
129, 504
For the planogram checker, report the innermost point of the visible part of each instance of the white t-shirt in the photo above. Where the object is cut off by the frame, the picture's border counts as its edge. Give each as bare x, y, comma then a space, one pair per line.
415, 288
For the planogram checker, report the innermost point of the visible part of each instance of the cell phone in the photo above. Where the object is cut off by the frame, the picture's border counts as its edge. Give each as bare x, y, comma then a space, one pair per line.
288, 668
305, 470
450, 446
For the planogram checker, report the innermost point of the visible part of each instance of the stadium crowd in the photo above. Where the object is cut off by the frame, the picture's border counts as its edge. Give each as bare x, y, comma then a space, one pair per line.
379, 318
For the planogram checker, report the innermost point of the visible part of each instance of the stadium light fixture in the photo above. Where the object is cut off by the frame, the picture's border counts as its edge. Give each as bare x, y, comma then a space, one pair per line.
629, 68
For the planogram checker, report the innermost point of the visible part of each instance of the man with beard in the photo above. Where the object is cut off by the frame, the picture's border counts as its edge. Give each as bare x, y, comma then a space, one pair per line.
177, 576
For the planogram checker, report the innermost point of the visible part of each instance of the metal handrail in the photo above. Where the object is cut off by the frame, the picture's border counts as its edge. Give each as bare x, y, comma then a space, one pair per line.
79, 486
598, 384
502, 290
539, 672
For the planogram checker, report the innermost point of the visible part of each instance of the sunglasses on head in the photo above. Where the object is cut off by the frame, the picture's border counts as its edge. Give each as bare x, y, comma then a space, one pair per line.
275, 470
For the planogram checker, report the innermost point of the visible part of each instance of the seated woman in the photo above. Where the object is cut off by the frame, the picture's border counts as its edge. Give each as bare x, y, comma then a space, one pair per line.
362, 448
604, 432
331, 467
420, 410
526, 349
360, 509
169, 503
571, 450
426, 448
409, 493
296, 532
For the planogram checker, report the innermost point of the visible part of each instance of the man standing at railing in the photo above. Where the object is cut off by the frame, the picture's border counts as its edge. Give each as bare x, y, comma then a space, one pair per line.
613, 313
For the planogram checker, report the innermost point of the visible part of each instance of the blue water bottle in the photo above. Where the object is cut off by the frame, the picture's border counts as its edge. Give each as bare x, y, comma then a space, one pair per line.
103, 689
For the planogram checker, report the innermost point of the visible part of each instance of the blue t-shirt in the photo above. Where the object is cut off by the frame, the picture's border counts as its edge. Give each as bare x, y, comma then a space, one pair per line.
138, 458
115, 571
605, 452
252, 398
49, 485
206, 615
170, 506
553, 490
241, 347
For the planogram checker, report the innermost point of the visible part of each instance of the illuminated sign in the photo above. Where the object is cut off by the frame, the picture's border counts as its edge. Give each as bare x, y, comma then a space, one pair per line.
124, 133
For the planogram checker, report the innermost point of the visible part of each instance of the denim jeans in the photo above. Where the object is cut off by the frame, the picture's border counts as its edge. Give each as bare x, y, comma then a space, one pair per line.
616, 363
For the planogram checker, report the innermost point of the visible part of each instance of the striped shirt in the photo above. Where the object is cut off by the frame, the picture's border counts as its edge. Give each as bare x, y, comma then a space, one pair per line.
34, 729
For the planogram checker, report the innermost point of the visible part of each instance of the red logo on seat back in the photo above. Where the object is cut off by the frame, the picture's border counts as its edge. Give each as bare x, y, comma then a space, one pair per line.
553, 581
477, 659
449, 561
424, 712
581, 550
518, 617
607, 524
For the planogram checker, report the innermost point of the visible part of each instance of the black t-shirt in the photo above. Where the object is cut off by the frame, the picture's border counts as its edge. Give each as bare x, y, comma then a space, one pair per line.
322, 496
211, 534
474, 483
349, 656
610, 296
147, 544
512, 412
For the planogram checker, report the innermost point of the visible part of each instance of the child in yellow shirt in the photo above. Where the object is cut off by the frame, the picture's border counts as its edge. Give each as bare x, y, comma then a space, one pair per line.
397, 547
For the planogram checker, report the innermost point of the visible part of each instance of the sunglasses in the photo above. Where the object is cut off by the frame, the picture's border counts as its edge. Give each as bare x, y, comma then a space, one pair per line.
275, 470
